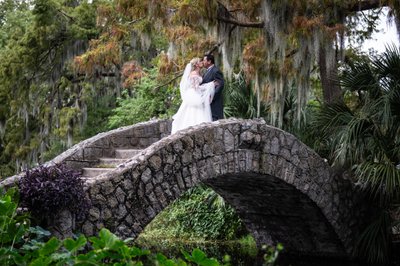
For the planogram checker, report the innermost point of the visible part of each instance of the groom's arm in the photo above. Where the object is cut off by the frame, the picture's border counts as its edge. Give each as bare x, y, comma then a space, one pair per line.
220, 80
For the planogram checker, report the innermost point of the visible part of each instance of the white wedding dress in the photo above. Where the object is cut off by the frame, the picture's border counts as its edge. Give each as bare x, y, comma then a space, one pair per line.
196, 99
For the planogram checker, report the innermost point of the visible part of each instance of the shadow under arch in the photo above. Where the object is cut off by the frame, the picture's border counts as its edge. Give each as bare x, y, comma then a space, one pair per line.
281, 189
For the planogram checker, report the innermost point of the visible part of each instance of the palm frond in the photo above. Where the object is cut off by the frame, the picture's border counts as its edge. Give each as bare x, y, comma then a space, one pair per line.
382, 179
387, 67
331, 118
393, 103
241, 101
359, 77
366, 139
351, 143
374, 242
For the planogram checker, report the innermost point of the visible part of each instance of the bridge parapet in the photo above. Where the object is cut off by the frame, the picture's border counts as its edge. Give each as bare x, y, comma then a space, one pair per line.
282, 190
88, 152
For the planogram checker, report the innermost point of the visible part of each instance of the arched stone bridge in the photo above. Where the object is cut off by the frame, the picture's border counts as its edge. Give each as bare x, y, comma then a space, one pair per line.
281, 189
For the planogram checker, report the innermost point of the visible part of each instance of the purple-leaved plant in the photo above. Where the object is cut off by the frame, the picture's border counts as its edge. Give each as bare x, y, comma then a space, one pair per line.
46, 191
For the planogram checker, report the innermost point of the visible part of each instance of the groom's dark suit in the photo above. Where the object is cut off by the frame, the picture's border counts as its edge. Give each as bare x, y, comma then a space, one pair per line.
217, 108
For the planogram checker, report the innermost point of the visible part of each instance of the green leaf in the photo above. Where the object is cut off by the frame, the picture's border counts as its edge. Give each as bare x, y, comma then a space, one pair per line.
198, 255
108, 240
90, 258
186, 255
74, 245
41, 261
49, 247
137, 252
61, 257
39, 231
164, 261
209, 262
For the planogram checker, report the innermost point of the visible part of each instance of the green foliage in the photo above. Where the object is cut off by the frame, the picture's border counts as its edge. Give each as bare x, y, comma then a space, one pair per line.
376, 239
12, 225
21, 244
363, 136
242, 251
98, 114
200, 214
14, 18
147, 102
199, 257
241, 101
37, 96
56, 147
18, 241
271, 254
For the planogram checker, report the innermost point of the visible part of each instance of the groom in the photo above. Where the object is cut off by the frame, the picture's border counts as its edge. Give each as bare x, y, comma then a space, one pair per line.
214, 74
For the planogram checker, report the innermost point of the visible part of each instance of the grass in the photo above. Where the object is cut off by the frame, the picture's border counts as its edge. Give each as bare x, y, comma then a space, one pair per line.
241, 251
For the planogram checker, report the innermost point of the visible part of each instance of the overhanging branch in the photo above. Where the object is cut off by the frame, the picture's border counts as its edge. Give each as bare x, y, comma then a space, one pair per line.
168, 82
359, 6
366, 5
245, 24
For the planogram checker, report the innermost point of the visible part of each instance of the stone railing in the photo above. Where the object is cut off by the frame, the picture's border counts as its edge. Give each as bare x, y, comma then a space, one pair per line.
281, 189
87, 152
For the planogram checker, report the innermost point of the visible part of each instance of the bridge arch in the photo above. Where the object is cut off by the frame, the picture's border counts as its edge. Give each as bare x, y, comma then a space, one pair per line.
282, 190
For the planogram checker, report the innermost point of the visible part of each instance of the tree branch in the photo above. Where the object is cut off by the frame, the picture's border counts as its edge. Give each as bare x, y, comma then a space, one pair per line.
136, 20
366, 5
66, 15
246, 24
168, 82
293, 52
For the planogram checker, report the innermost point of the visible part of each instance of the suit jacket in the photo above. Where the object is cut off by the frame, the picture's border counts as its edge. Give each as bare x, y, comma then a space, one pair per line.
217, 108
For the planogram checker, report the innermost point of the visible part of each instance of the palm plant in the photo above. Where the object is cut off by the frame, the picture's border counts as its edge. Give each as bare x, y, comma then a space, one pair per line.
241, 101
364, 137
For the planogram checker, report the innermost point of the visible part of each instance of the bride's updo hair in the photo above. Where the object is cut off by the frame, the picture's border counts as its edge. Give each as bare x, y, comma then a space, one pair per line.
194, 61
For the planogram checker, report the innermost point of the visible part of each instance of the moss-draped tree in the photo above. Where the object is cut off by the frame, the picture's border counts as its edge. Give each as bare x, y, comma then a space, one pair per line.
278, 45
38, 100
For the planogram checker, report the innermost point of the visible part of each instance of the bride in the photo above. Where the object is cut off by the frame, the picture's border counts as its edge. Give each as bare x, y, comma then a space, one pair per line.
196, 98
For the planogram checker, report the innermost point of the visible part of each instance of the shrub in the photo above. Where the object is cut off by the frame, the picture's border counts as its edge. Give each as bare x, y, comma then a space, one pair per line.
21, 244
46, 191
200, 213
12, 225
149, 100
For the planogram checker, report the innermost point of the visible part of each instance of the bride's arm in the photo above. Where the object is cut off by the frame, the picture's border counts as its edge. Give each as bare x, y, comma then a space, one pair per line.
208, 90
195, 82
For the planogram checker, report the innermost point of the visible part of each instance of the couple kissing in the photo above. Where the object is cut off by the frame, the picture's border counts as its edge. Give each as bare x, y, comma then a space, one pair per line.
201, 94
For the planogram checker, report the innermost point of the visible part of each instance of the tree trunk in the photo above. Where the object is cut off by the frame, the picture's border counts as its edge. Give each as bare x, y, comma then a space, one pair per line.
397, 22
329, 76
70, 133
257, 86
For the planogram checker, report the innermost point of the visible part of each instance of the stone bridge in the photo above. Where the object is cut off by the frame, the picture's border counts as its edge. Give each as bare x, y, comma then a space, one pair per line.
281, 189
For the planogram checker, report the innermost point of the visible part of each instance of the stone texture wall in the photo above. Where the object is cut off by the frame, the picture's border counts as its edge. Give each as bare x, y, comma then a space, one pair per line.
139, 136
282, 190
87, 152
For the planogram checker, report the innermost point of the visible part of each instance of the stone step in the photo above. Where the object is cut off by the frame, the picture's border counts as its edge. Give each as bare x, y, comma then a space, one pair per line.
91, 172
126, 153
109, 162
